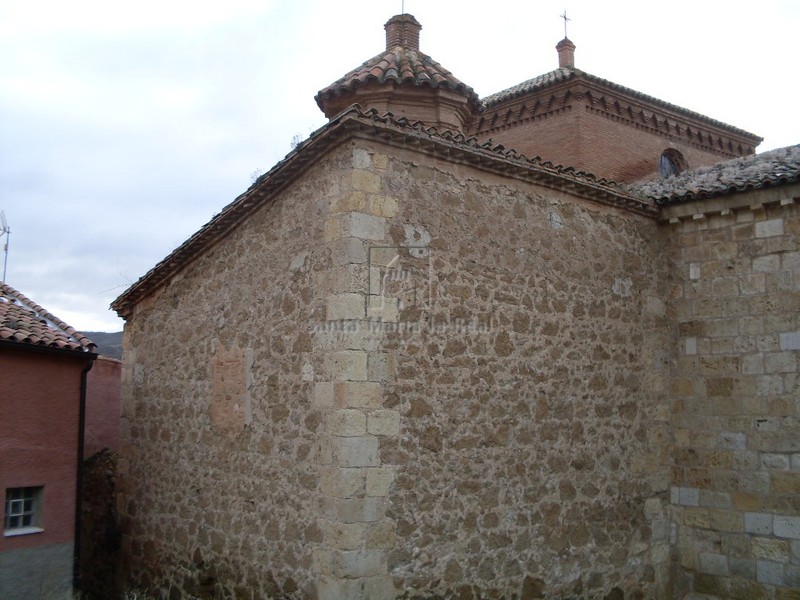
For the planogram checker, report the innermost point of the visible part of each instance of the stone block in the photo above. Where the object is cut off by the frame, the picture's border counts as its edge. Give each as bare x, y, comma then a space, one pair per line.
361, 394
363, 226
349, 251
767, 264
770, 549
689, 496
742, 567
787, 594
379, 481
322, 395
344, 536
795, 462
322, 560
792, 577
752, 283
733, 440
726, 520
755, 482
347, 423
780, 362
358, 563
346, 306
653, 508
791, 261
356, 451
786, 527
712, 563
746, 501
358, 510
769, 385
695, 517
339, 482
752, 364
775, 461
362, 159
329, 587
769, 572
712, 499
384, 308
690, 346
379, 588
352, 202
759, 523
790, 340
332, 229
694, 271
381, 535
380, 161
786, 483
381, 366
769, 228
347, 365
382, 206
366, 181
383, 422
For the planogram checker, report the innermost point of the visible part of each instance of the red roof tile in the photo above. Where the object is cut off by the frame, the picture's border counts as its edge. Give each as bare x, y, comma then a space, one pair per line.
768, 169
567, 73
399, 65
25, 322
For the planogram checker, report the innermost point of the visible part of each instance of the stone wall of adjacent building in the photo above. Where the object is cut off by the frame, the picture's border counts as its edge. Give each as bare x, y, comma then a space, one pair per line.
734, 395
219, 461
507, 434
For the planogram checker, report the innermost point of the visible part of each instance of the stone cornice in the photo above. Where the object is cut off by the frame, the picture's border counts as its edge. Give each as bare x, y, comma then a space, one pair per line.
749, 200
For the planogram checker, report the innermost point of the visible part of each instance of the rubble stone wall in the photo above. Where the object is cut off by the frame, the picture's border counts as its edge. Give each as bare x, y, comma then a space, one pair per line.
521, 435
219, 468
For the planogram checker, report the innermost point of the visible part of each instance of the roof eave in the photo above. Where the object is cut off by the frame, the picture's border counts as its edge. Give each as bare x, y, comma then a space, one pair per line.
399, 132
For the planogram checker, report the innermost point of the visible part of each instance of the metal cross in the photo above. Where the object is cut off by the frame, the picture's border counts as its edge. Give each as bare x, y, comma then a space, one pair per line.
564, 16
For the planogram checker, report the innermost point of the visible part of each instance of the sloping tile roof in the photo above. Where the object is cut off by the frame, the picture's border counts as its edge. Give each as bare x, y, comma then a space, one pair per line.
412, 135
564, 74
25, 322
532, 85
399, 65
752, 172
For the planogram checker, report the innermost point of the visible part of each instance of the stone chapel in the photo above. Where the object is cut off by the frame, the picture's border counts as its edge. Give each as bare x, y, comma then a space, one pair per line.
543, 344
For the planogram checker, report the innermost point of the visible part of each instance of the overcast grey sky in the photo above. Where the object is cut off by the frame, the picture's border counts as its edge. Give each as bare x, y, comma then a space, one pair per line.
125, 127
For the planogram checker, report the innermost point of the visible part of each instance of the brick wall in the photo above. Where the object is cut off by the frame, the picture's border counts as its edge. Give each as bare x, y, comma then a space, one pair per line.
736, 472
570, 127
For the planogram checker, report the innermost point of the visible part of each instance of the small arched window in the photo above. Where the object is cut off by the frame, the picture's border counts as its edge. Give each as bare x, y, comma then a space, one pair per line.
671, 163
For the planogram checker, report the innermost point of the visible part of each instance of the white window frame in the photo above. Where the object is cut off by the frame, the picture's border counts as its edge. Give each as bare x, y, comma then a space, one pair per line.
23, 511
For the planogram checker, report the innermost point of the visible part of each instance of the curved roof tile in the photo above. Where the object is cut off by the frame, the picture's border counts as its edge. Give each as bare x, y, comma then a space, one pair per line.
756, 171
399, 65
565, 73
25, 322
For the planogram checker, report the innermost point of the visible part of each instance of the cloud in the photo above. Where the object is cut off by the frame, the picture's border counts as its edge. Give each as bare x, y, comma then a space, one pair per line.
124, 128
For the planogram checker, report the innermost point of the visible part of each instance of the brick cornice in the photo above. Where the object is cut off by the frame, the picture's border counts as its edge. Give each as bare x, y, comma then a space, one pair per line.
622, 105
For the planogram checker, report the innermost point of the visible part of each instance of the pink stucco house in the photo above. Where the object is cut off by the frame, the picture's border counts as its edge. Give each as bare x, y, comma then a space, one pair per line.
44, 369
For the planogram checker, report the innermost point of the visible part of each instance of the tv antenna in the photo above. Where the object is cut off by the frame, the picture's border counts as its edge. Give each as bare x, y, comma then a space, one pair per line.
4, 229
